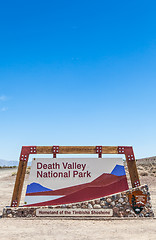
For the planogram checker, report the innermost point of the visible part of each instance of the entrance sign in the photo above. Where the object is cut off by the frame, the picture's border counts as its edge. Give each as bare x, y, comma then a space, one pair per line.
55, 181
75, 177
79, 187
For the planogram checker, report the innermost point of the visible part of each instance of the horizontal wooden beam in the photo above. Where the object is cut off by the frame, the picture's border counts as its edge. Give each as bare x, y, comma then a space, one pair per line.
76, 150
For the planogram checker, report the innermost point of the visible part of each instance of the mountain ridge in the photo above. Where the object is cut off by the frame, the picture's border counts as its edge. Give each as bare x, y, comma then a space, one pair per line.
7, 163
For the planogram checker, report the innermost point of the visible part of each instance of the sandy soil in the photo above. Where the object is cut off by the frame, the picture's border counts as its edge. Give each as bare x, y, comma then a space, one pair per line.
72, 229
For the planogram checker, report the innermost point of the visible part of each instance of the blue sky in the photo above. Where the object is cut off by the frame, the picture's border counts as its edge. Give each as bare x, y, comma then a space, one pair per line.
77, 73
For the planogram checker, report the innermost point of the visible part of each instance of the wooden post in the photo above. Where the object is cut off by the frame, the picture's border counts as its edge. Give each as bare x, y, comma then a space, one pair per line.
131, 164
16, 197
133, 173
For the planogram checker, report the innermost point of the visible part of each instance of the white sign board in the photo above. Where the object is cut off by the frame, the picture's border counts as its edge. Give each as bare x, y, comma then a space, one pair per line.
56, 181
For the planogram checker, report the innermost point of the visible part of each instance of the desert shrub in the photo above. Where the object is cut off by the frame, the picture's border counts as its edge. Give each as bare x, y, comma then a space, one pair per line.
28, 171
13, 174
143, 174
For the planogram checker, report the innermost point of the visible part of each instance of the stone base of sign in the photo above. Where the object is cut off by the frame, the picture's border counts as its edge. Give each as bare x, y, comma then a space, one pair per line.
113, 206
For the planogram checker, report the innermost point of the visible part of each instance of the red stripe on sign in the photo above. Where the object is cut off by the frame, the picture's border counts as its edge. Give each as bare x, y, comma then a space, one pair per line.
101, 181
88, 193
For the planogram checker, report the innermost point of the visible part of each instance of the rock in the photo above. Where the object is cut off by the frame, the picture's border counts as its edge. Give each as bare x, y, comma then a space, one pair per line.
132, 212
113, 197
147, 215
90, 205
25, 213
120, 200
123, 194
108, 200
34, 214
78, 205
63, 206
19, 214
97, 206
146, 187
120, 214
74, 206
105, 207
151, 214
84, 206
107, 204
115, 209
112, 204
4, 211
118, 205
141, 215
8, 211
102, 199
69, 206
150, 210
118, 196
124, 203
145, 209
102, 203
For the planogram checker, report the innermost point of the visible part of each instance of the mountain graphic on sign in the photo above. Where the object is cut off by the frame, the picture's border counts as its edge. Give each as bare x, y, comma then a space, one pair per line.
36, 187
119, 170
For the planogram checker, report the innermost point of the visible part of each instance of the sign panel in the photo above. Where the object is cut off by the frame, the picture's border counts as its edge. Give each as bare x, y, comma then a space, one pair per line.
58, 212
59, 181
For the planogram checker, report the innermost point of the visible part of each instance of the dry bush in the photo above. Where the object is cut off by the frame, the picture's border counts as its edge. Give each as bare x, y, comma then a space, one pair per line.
14, 174
28, 171
143, 173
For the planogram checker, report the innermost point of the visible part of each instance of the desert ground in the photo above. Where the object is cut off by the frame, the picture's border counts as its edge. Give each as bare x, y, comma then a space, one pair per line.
13, 229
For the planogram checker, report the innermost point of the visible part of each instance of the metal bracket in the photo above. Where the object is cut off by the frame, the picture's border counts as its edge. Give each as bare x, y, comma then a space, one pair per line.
55, 151
14, 203
99, 151
128, 151
26, 151
137, 183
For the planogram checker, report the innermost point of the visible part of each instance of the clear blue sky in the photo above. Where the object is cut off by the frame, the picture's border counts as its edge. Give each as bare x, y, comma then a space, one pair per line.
77, 73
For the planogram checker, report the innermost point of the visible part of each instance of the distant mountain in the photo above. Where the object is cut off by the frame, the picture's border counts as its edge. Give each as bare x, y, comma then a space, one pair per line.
5, 163
8, 163
146, 161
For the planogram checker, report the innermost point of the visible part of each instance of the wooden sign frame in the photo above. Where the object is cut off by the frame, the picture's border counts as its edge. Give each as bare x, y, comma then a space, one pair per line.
27, 150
